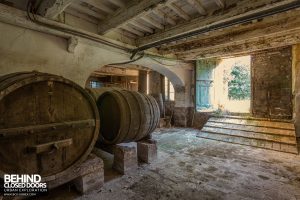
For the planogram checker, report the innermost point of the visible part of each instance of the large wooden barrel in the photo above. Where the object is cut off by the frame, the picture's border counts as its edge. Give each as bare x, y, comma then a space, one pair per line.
48, 124
126, 116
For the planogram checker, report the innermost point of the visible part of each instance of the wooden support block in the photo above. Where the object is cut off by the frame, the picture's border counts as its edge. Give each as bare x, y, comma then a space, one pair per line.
90, 181
87, 175
125, 158
147, 151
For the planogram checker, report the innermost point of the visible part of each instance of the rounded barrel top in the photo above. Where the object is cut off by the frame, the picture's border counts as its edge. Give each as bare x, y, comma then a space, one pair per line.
48, 124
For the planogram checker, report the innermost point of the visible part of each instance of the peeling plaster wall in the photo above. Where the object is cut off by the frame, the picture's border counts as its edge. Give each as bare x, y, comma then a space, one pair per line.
23, 49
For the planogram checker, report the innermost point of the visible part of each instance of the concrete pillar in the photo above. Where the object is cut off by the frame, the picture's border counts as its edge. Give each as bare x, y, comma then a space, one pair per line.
142, 81
155, 86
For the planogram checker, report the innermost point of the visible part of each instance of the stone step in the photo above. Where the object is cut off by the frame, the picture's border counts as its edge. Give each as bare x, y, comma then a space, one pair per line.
276, 146
243, 127
251, 135
253, 122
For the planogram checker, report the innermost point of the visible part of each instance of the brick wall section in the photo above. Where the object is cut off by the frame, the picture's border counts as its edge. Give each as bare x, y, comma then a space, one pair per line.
272, 83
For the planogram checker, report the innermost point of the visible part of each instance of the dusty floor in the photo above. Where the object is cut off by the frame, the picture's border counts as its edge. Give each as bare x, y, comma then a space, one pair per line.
193, 168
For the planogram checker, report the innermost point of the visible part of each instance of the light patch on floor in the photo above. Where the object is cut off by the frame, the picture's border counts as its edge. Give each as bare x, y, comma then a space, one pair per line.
193, 168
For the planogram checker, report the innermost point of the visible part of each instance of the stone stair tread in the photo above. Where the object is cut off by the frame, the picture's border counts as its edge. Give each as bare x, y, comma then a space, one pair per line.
250, 135
252, 122
242, 127
288, 148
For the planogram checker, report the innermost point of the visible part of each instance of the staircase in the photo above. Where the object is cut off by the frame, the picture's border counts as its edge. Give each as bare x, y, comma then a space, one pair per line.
257, 132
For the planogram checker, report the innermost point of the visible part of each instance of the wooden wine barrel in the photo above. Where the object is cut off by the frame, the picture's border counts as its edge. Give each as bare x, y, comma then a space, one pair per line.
126, 116
48, 124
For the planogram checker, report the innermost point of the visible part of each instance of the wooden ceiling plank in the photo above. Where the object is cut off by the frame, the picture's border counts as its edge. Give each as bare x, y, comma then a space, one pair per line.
52, 8
233, 12
198, 6
132, 30
141, 26
179, 11
86, 10
118, 3
99, 5
152, 22
164, 16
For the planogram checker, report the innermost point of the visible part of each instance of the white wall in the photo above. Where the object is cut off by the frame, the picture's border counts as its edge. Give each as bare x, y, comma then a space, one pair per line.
22, 49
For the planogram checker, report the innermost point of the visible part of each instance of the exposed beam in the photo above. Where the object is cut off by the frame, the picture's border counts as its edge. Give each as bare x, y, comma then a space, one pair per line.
179, 11
80, 15
164, 17
118, 3
135, 9
52, 8
287, 23
198, 6
99, 5
125, 14
231, 13
282, 22
86, 10
248, 46
153, 22
220, 3
132, 30
141, 26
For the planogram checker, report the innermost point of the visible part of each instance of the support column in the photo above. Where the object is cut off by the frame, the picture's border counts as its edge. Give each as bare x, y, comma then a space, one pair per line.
142, 82
296, 89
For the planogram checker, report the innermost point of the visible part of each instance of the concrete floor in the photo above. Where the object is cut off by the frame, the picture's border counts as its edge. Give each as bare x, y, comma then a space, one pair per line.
193, 168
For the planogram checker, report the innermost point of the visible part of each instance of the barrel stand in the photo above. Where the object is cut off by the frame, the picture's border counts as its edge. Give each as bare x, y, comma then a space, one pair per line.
147, 150
86, 176
125, 158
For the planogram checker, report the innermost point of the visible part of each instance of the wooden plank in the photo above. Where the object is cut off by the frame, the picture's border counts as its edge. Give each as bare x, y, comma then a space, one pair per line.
86, 10
124, 15
99, 5
266, 130
47, 127
257, 36
51, 9
51, 146
153, 22
179, 11
260, 123
251, 135
234, 11
198, 6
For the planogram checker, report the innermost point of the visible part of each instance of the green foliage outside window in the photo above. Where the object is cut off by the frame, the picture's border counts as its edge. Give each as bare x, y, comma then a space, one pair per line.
239, 83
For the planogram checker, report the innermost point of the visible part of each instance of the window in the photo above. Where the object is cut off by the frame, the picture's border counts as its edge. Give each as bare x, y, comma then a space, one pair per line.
169, 90
95, 84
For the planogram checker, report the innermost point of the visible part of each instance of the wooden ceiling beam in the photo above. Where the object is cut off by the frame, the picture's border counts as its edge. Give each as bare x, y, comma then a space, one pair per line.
153, 22
179, 11
99, 5
118, 3
247, 46
132, 10
164, 17
234, 11
220, 3
141, 26
283, 24
132, 30
52, 8
88, 11
198, 6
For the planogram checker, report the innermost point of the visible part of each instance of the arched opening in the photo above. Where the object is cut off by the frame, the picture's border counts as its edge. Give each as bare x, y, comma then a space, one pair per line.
161, 83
